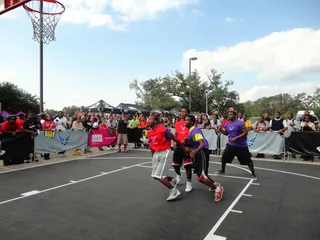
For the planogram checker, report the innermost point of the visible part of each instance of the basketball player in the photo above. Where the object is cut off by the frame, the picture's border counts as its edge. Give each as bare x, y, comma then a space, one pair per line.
200, 153
179, 156
160, 144
237, 145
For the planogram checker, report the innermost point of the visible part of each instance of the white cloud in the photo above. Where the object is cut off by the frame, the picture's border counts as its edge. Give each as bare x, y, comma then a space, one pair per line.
265, 91
104, 12
280, 55
231, 20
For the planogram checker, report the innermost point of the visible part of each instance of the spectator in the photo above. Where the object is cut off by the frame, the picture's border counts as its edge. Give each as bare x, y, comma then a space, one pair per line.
247, 122
77, 124
122, 130
240, 116
21, 119
293, 125
258, 126
215, 122
166, 122
134, 122
11, 125
61, 125
206, 124
312, 119
32, 125
142, 122
267, 117
48, 126
87, 124
280, 125
112, 126
307, 125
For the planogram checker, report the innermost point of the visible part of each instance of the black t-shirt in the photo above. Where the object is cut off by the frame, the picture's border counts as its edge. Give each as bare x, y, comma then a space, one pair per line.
122, 127
31, 125
87, 124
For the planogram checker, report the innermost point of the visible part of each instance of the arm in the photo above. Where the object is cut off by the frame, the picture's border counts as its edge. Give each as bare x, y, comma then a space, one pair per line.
201, 146
285, 127
223, 130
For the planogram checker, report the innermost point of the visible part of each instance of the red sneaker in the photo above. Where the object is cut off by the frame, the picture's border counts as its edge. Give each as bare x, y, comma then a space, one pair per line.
218, 193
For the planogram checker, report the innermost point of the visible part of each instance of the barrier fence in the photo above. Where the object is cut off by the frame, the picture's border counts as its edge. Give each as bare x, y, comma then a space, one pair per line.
270, 143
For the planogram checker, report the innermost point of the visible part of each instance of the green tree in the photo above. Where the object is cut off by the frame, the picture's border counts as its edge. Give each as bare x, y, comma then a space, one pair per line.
14, 99
173, 91
71, 110
152, 94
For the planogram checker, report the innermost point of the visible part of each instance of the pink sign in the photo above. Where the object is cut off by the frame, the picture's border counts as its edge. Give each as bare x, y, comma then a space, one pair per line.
101, 137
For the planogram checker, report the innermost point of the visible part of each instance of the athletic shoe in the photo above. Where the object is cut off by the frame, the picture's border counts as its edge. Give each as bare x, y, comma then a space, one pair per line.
119, 150
188, 187
254, 177
218, 193
175, 181
174, 193
125, 150
211, 189
220, 172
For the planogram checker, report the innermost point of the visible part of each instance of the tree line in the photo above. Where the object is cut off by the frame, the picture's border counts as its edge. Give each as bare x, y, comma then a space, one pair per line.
172, 92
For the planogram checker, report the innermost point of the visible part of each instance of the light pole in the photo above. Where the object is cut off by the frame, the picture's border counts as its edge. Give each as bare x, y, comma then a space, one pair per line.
190, 59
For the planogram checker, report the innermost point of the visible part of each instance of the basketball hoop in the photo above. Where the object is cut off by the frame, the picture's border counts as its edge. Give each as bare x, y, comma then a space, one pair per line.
44, 15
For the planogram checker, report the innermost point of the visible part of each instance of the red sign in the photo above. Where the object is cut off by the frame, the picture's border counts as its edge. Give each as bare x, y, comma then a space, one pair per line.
101, 138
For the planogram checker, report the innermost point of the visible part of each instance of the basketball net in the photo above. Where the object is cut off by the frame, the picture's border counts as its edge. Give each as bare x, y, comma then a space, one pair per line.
44, 15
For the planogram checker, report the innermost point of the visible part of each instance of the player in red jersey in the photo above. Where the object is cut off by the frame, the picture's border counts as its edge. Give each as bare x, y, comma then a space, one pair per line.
159, 138
179, 156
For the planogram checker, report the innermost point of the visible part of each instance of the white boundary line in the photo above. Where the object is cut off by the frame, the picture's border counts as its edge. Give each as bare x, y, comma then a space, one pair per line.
210, 235
234, 166
35, 192
290, 173
52, 163
246, 195
235, 211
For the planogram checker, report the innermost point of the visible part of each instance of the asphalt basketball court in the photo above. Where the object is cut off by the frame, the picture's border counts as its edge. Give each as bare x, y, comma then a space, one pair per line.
113, 197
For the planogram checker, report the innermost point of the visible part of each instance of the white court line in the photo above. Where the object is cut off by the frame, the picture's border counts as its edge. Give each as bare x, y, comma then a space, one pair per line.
236, 211
290, 173
216, 175
211, 235
246, 195
70, 183
257, 184
58, 161
232, 165
27, 194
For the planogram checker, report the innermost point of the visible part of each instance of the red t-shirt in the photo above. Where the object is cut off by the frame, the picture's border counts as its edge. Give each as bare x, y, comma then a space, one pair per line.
158, 138
20, 122
182, 131
13, 127
224, 123
143, 124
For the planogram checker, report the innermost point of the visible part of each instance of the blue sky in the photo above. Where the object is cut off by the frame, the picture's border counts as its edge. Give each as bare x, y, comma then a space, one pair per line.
266, 47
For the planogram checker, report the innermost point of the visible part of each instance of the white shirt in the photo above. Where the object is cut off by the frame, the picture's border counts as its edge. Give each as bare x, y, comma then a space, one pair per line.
61, 123
310, 124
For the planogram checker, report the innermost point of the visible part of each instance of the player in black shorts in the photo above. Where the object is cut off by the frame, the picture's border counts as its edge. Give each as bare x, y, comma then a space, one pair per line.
179, 156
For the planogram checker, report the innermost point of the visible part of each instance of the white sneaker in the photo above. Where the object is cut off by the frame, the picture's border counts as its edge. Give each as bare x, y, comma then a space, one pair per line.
175, 181
188, 187
174, 193
2, 152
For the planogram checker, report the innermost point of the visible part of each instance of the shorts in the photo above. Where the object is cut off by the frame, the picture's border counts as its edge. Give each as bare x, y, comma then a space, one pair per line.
179, 157
201, 163
122, 139
242, 153
161, 163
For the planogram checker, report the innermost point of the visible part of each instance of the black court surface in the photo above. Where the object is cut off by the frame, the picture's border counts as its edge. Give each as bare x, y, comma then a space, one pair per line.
113, 197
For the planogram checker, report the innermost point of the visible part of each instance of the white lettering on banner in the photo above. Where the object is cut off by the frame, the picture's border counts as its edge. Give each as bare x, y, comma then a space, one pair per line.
97, 138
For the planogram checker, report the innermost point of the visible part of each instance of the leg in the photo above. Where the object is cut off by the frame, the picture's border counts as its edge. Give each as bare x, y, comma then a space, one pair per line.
227, 157
177, 163
201, 166
125, 142
244, 158
119, 142
188, 167
161, 173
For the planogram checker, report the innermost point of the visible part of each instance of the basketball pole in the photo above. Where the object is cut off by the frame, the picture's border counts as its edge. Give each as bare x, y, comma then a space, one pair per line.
41, 56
